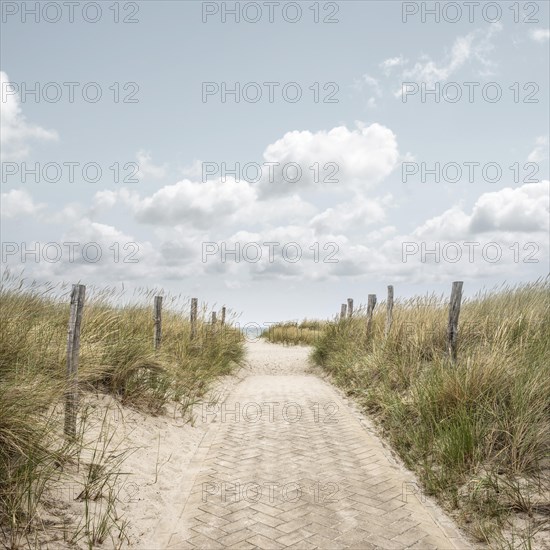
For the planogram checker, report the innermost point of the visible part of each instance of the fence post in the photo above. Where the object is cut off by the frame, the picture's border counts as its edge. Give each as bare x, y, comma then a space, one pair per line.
214, 318
222, 320
350, 307
78, 293
454, 312
370, 309
343, 309
194, 303
157, 315
389, 310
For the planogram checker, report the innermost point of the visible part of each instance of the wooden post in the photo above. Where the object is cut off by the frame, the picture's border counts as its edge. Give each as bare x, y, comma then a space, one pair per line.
213, 323
343, 309
157, 315
370, 309
222, 323
350, 307
194, 304
454, 312
78, 293
389, 310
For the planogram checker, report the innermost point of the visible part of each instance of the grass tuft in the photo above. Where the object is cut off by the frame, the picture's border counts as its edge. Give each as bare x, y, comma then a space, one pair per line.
478, 432
116, 358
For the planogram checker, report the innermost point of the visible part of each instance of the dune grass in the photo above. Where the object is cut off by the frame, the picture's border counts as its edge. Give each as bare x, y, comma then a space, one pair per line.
116, 358
476, 432
293, 333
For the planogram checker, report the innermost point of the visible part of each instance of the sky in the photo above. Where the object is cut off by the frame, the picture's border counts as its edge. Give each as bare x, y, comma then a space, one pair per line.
276, 157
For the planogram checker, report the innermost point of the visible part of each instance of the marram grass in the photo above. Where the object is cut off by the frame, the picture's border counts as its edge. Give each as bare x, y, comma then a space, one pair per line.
116, 357
294, 333
476, 432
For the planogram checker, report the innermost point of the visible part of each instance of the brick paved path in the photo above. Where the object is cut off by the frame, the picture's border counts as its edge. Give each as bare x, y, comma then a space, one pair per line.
286, 463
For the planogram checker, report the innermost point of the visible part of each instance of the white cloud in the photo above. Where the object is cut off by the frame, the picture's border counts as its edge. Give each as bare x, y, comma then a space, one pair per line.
19, 203
523, 209
68, 214
290, 209
15, 131
295, 252
498, 221
364, 157
210, 206
511, 215
194, 203
380, 235
475, 46
452, 224
92, 251
373, 85
125, 257
188, 213
540, 35
105, 199
101, 202
371, 103
519, 210
429, 71
483, 48
540, 152
509, 222
388, 64
147, 169
193, 171
350, 216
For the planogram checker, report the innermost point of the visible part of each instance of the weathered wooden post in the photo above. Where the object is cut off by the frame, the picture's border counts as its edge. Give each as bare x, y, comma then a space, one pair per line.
157, 315
389, 310
350, 307
194, 303
213, 324
370, 310
222, 320
343, 309
78, 293
454, 312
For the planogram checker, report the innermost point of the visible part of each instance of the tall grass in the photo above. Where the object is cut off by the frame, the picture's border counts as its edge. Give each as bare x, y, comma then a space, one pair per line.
293, 333
116, 357
477, 432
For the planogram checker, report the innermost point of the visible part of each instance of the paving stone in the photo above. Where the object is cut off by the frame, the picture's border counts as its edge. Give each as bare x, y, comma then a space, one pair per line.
264, 543
350, 491
296, 536
237, 536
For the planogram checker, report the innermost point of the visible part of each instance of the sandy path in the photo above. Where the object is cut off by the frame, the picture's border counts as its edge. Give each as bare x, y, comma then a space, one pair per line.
287, 462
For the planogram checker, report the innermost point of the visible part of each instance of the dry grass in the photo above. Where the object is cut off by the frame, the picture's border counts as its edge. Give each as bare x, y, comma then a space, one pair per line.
478, 432
117, 357
293, 333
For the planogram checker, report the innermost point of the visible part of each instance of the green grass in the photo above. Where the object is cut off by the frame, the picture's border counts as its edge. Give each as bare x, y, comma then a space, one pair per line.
116, 357
476, 432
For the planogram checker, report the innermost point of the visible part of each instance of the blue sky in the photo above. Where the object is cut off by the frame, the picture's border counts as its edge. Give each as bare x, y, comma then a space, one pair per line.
360, 219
